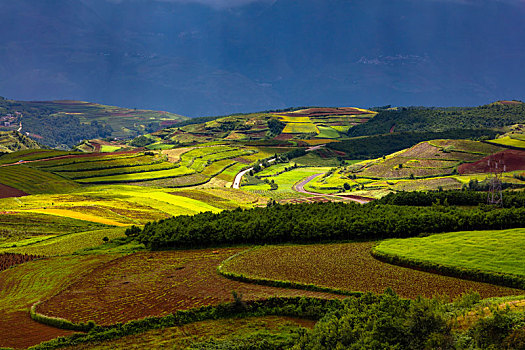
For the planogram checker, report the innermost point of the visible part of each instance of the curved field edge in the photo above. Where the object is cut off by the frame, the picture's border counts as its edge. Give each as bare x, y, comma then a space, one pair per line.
303, 307
382, 253
347, 266
221, 270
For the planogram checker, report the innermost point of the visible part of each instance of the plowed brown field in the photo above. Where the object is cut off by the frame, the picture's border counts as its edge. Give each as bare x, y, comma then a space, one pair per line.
154, 284
350, 266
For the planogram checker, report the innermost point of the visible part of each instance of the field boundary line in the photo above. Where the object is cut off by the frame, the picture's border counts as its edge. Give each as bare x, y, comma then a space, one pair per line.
277, 283
471, 274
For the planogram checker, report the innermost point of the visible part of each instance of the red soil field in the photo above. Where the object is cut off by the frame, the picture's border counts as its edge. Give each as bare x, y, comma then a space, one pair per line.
19, 331
512, 159
318, 112
284, 137
167, 123
510, 102
8, 191
155, 284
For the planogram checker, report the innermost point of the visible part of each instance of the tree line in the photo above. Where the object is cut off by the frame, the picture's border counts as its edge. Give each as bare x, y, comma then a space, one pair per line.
319, 222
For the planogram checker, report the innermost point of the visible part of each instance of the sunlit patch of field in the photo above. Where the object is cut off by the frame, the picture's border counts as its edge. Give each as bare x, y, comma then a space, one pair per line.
65, 244
509, 141
80, 215
300, 128
142, 176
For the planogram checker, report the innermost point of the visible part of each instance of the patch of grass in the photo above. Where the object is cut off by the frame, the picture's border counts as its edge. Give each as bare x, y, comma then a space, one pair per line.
327, 132
493, 251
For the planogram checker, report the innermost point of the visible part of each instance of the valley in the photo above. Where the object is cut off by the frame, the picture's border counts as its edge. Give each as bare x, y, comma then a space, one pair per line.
146, 235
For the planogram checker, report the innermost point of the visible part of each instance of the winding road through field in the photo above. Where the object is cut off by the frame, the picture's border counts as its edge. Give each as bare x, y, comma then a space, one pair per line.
299, 187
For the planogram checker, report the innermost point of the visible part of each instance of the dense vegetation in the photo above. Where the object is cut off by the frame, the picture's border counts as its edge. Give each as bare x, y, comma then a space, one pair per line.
318, 222
369, 322
380, 145
441, 119
420, 198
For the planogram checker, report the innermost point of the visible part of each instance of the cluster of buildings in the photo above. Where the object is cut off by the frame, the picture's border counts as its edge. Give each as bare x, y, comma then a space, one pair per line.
10, 119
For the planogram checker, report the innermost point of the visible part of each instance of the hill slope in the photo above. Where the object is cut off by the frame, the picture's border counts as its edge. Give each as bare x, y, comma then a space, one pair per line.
65, 123
11, 141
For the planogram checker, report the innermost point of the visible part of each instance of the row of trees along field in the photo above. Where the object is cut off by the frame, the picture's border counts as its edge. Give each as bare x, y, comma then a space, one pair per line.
441, 119
380, 145
421, 198
319, 222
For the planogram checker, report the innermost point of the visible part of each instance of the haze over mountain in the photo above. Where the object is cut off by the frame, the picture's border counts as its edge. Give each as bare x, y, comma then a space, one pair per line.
210, 57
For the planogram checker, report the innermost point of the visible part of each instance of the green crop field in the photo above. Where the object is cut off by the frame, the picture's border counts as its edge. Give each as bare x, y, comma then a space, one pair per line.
117, 170
286, 180
493, 251
142, 176
326, 132
97, 162
34, 181
509, 141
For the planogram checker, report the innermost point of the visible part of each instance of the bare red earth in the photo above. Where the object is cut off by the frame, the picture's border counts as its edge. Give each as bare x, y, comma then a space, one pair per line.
154, 284
8, 191
284, 137
510, 102
33, 332
512, 159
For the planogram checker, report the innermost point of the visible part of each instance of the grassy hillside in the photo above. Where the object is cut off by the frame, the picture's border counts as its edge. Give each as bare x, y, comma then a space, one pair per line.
320, 122
66, 123
11, 141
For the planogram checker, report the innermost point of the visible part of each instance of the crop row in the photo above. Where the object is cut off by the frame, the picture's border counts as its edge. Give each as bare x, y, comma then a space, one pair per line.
119, 170
98, 163
143, 176
347, 267
34, 181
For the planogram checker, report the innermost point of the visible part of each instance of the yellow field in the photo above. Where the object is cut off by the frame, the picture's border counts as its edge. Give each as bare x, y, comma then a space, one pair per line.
292, 119
300, 128
76, 215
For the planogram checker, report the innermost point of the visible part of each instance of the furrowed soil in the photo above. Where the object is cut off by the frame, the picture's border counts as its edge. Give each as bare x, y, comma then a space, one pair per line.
155, 284
350, 266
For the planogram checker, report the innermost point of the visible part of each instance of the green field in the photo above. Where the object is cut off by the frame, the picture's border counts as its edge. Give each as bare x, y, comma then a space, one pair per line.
142, 176
326, 132
493, 251
34, 181
509, 141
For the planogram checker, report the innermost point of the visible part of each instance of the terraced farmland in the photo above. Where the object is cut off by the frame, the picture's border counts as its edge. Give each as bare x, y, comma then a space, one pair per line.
35, 181
154, 283
350, 267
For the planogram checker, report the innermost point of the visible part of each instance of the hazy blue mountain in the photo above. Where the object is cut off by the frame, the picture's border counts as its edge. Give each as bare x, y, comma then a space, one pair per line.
210, 57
